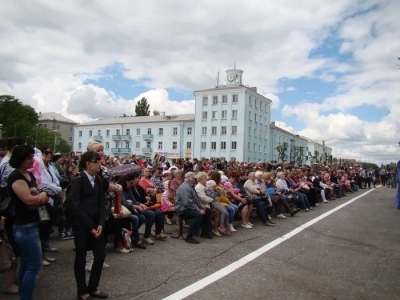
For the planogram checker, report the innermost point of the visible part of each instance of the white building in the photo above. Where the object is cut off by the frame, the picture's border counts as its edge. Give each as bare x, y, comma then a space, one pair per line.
232, 121
316, 151
296, 146
170, 136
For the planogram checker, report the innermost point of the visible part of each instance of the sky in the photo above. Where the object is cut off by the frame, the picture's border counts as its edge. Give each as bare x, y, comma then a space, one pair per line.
328, 66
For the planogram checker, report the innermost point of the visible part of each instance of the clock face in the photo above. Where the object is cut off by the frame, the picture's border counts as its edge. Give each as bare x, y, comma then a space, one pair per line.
231, 77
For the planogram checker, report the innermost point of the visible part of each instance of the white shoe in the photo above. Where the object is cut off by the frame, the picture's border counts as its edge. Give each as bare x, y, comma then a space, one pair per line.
231, 228
45, 263
123, 251
281, 216
105, 266
326, 201
250, 224
246, 226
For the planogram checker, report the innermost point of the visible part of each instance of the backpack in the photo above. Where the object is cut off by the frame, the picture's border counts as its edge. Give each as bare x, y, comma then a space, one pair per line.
68, 201
6, 205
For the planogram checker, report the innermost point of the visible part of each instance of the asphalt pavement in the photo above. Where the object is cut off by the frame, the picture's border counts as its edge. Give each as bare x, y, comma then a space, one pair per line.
354, 253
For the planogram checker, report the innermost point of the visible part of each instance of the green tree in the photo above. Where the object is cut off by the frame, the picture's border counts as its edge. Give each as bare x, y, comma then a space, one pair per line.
17, 118
282, 149
142, 108
43, 136
156, 112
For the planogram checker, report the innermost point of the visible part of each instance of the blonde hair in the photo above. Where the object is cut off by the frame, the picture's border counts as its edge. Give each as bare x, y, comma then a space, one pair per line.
280, 174
202, 175
267, 176
259, 173
93, 145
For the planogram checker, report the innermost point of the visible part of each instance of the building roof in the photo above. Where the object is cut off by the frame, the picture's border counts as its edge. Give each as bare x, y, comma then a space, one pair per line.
315, 142
55, 116
233, 87
143, 119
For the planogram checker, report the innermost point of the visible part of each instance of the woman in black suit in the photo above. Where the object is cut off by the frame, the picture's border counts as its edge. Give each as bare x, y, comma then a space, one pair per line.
88, 212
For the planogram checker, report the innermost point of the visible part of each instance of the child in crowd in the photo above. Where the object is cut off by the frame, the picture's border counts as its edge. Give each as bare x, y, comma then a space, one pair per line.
211, 192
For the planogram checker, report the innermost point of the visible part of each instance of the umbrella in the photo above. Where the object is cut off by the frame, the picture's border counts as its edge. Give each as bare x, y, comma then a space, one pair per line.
123, 170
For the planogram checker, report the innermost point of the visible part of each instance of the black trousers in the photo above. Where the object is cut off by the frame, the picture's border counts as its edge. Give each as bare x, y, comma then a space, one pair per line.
85, 241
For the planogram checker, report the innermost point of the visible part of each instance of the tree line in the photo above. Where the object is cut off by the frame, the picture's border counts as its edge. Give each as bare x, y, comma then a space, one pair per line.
18, 119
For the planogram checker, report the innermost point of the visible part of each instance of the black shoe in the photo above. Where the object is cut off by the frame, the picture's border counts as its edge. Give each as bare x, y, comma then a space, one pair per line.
207, 236
140, 246
192, 240
100, 295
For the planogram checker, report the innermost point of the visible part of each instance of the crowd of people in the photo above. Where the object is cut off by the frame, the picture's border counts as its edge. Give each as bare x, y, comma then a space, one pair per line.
82, 198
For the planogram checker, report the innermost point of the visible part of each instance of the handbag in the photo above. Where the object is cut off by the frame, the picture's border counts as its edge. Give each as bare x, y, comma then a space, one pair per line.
44, 215
6, 207
8, 260
125, 212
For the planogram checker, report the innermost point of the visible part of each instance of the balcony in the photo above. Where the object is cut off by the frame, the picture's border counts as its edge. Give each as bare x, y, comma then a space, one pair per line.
98, 138
147, 150
121, 150
119, 137
148, 137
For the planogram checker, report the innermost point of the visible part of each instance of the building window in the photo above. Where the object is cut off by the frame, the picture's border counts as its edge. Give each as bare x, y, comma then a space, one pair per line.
203, 130
116, 144
137, 131
160, 131
98, 132
224, 99
234, 129
148, 130
261, 106
255, 117
90, 133
259, 148
265, 149
40, 126
137, 145
259, 134
159, 145
215, 99
234, 114
107, 145
255, 103
189, 131
70, 129
174, 145
249, 131
203, 145
265, 106
148, 144
214, 130
214, 114
224, 114
254, 147
248, 146
108, 132
128, 132
80, 145
223, 145
188, 145
223, 130
213, 145
70, 138
249, 115
175, 131
250, 101
45, 125
233, 145
204, 116
118, 132
255, 132
235, 99
80, 133
58, 127
205, 100
127, 145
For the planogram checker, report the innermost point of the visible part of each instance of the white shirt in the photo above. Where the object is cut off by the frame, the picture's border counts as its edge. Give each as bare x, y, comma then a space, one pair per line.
91, 178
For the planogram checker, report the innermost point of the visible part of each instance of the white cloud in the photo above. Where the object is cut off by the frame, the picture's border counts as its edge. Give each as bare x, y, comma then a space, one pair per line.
49, 50
291, 89
284, 126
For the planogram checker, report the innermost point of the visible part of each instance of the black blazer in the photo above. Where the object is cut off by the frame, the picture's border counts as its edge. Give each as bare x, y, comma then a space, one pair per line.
88, 203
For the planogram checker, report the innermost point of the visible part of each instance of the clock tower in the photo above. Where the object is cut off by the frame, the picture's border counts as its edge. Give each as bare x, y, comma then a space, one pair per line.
234, 77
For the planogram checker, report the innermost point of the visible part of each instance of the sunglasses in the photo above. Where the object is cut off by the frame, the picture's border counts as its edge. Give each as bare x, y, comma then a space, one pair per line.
48, 152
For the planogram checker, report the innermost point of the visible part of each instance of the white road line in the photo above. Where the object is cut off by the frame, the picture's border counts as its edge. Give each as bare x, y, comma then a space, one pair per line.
202, 283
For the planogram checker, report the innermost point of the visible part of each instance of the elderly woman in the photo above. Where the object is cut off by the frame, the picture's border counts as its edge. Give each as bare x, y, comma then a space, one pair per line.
288, 193
206, 201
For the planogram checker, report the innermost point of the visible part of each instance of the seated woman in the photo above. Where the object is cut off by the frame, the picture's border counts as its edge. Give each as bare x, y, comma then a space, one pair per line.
168, 198
129, 201
151, 216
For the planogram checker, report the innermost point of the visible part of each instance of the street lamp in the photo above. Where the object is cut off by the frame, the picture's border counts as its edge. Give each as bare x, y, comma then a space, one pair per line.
55, 138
